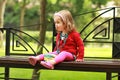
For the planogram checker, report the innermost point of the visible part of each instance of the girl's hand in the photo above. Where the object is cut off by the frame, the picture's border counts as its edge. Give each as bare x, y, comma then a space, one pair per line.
79, 60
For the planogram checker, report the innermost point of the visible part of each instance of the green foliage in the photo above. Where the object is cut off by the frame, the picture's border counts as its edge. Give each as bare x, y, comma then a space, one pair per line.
12, 14
100, 2
77, 7
32, 16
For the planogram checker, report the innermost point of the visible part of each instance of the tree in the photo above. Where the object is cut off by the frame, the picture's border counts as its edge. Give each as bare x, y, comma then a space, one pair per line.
98, 3
42, 34
23, 7
2, 10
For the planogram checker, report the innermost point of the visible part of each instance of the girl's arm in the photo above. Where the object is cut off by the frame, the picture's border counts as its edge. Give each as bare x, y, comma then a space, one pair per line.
80, 47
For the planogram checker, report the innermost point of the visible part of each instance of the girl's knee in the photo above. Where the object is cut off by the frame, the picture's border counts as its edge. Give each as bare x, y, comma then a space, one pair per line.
63, 53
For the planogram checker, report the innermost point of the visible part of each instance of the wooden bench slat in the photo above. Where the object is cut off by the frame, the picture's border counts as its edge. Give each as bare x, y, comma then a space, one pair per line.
102, 65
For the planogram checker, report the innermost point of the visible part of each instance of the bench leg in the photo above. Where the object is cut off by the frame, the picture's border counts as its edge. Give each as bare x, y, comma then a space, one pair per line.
108, 75
118, 76
6, 73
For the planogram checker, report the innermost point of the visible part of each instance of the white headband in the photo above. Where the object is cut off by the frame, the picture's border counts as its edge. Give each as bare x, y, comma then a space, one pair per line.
58, 14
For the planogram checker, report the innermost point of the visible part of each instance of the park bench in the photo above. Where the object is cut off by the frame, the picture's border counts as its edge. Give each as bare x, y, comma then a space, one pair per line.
107, 65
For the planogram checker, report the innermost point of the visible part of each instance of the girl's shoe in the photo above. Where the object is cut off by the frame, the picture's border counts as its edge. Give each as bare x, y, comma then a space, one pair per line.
32, 60
47, 65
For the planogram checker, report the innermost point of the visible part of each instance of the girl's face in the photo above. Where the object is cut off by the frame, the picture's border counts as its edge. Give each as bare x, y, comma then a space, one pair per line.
59, 25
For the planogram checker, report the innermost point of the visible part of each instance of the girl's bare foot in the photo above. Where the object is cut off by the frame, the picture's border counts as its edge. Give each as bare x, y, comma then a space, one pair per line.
47, 65
33, 60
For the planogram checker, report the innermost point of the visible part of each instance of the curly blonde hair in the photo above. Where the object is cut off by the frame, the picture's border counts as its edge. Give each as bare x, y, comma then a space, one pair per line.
67, 19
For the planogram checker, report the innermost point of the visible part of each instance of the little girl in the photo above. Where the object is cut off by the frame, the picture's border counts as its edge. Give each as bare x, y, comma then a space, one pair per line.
69, 45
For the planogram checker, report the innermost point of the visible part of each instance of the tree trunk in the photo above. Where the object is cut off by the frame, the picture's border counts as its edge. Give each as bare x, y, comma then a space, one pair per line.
42, 23
22, 13
36, 75
2, 10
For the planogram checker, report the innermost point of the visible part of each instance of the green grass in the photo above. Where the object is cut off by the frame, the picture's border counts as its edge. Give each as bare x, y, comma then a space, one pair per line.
71, 75
98, 52
58, 74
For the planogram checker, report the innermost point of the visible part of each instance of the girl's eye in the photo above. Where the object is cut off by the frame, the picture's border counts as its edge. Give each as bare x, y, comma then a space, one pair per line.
57, 22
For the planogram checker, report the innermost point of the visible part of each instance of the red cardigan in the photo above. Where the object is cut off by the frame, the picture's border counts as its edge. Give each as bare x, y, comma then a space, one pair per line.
74, 44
